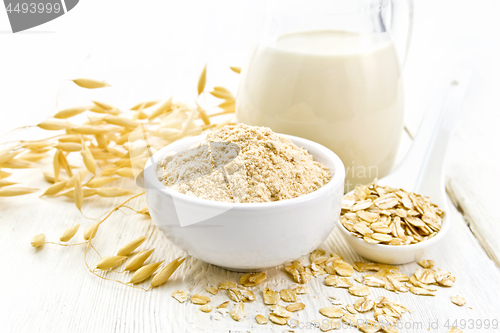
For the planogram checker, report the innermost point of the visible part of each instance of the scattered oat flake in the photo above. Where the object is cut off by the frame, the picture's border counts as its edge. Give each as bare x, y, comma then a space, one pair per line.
426, 263
298, 289
373, 281
338, 281
422, 291
271, 296
332, 312
318, 253
223, 305
241, 295
458, 300
359, 290
277, 319
299, 273
444, 278
252, 279
369, 326
330, 325
425, 275
350, 319
181, 296
227, 285
260, 319
351, 309
206, 308
280, 311
335, 300
212, 290
416, 283
200, 299
364, 304
288, 295
365, 266
455, 330
295, 307
342, 268
238, 311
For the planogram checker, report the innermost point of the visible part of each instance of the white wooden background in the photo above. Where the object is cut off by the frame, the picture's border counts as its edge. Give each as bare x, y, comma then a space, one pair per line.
151, 49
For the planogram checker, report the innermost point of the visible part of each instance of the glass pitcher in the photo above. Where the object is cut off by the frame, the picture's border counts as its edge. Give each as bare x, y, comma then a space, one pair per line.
330, 71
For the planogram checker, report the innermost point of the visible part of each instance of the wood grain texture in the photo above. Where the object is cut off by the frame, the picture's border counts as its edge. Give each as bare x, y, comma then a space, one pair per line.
472, 163
50, 289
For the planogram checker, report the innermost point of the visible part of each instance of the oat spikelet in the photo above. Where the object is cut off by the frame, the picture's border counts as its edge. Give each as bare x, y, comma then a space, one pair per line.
164, 274
38, 240
125, 172
72, 181
236, 69
91, 231
64, 163
57, 166
8, 156
203, 114
136, 262
54, 125
4, 183
17, 164
78, 194
144, 272
128, 248
33, 157
121, 121
49, 177
87, 192
109, 262
12, 191
69, 146
90, 130
88, 160
223, 93
162, 108
111, 192
103, 105
4, 174
69, 233
90, 83
70, 112
35, 145
202, 80
143, 105
100, 181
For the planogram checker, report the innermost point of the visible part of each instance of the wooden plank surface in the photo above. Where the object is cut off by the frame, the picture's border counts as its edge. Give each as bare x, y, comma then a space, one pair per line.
473, 158
51, 288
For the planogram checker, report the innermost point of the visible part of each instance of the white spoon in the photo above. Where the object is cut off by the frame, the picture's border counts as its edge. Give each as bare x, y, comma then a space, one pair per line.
422, 170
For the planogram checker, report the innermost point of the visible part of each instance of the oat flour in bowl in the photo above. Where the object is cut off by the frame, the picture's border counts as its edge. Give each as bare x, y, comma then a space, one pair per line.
266, 168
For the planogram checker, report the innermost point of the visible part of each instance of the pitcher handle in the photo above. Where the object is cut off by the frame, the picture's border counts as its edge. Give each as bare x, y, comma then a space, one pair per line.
402, 9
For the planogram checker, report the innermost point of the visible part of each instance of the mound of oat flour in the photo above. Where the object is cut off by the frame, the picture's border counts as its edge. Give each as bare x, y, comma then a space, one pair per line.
247, 164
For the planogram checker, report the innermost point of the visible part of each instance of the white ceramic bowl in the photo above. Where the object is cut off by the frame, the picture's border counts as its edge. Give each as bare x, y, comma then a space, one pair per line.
246, 236
390, 254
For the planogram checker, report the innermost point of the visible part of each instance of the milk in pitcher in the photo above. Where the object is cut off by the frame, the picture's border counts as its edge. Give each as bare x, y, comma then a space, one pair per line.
343, 90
